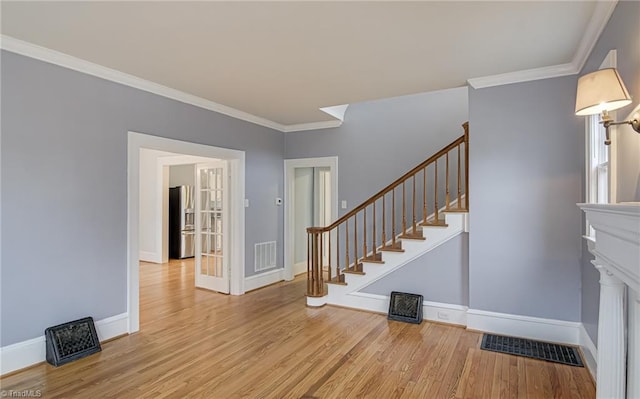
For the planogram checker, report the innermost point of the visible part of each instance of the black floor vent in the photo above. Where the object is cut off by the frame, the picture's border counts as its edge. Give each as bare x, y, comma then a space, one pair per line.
70, 341
534, 349
405, 307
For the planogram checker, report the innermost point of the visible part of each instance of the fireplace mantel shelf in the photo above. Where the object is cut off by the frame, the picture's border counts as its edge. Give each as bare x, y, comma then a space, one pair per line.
617, 240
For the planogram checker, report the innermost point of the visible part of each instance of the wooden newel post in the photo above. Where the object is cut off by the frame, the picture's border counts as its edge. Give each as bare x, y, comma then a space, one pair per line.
315, 281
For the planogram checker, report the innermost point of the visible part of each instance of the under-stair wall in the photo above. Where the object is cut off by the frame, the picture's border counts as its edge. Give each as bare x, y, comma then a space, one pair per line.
440, 275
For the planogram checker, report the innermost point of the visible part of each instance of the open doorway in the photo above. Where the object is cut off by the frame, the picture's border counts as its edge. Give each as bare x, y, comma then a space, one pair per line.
184, 214
311, 199
159, 173
179, 152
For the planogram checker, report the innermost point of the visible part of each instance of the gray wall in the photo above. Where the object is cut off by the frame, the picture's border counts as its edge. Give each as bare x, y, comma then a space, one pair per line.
526, 162
64, 194
380, 140
182, 175
441, 275
623, 34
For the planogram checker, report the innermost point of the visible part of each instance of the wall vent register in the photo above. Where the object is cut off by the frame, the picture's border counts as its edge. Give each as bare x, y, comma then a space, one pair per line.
265, 256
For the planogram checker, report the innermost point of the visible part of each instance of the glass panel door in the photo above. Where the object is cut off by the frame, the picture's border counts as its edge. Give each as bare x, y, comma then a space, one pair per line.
212, 271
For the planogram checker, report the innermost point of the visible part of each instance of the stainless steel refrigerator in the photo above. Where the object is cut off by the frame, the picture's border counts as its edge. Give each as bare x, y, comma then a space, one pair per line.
181, 222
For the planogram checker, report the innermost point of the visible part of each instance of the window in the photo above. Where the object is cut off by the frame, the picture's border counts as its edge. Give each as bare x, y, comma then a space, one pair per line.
599, 167
598, 162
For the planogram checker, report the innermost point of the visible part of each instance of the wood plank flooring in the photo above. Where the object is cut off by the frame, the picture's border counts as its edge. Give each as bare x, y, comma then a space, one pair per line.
268, 344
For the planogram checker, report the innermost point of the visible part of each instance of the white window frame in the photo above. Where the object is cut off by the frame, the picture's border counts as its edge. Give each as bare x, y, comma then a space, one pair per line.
600, 160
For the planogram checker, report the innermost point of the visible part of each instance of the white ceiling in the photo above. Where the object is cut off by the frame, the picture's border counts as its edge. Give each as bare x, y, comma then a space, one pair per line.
282, 61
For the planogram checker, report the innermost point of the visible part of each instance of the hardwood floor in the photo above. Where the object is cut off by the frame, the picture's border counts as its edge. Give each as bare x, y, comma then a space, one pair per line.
268, 344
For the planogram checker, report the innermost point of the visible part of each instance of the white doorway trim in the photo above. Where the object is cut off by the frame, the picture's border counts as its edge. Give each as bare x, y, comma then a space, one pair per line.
236, 160
289, 178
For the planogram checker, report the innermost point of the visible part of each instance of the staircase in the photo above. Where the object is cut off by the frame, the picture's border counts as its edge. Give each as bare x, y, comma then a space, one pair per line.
390, 229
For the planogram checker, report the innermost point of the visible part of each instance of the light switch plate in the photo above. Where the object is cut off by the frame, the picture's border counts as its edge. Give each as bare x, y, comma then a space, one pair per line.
344, 204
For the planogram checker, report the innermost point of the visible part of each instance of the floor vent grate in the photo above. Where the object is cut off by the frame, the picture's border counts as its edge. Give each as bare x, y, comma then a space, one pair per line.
70, 341
533, 349
405, 307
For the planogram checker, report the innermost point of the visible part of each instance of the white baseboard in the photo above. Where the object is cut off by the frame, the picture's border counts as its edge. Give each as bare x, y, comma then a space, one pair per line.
589, 350
445, 313
112, 326
299, 268
434, 311
152, 257
33, 351
22, 354
263, 279
551, 330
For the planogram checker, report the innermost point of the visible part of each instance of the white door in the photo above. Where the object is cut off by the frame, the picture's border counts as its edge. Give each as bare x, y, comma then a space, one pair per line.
322, 205
212, 226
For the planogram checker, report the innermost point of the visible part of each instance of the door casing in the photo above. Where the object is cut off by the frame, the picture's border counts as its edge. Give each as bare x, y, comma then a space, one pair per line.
289, 178
236, 160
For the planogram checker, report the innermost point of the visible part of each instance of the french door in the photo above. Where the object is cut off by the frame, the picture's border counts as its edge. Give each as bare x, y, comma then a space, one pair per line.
212, 226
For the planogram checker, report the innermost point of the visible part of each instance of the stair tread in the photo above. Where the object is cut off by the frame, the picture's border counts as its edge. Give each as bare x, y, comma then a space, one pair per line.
338, 280
348, 271
357, 269
412, 236
440, 223
456, 210
374, 258
392, 248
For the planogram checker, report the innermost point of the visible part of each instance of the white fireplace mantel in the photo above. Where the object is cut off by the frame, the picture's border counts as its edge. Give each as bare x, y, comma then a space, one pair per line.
617, 240
616, 247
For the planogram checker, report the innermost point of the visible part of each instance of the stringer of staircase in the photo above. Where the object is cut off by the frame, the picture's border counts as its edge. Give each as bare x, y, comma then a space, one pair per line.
395, 214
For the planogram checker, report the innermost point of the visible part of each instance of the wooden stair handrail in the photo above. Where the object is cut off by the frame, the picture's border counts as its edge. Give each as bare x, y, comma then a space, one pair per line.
462, 139
319, 239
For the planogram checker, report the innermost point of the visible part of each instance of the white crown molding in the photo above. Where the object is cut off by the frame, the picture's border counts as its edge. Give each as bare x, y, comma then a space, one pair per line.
312, 126
596, 25
527, 75
599, 19
27, 49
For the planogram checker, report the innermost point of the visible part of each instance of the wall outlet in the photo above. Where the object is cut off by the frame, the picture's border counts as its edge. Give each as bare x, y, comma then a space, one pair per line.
443, 315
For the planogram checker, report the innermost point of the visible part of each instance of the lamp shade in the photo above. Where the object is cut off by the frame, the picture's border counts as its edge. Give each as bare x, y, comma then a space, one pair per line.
599, 91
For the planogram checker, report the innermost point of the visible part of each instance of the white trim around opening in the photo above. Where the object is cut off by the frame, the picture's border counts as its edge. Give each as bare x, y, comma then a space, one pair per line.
289, 178
236, 159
